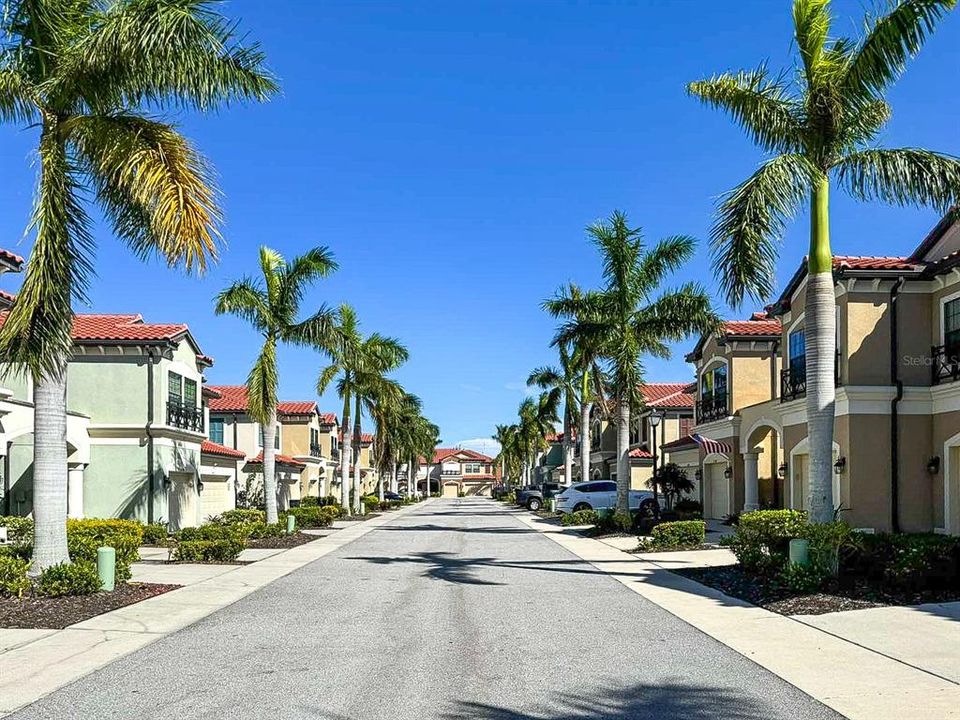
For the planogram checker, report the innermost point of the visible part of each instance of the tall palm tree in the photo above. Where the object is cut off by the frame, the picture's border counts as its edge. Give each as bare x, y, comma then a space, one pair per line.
538, 418
566, 379
505, 436
376, 356
584, 360
343, 364
83, 74
393, 416
271, 304
625, 320
820, 124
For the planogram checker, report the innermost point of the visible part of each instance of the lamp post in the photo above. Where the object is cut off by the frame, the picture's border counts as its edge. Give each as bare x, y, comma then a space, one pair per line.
655, 418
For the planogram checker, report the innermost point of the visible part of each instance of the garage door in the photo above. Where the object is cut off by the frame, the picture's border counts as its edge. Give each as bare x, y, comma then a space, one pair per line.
719, 491
216, 496
451, 489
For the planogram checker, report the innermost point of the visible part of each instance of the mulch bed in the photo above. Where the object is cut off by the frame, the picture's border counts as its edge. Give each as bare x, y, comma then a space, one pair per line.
283, 542
771, 595
58, 613
358, 518
683, 548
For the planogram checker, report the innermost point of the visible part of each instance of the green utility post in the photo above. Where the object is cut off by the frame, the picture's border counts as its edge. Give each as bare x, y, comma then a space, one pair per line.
799, 552
107, 567
291, 524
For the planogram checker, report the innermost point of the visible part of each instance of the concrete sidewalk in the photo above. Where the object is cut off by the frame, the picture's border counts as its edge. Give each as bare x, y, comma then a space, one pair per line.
34, 663
884, 663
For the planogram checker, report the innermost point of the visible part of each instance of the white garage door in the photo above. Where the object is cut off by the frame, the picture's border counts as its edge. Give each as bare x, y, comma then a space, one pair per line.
719, 491
216, 496
451, 489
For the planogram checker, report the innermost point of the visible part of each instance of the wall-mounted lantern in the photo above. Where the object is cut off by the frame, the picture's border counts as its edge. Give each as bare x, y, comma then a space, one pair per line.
782, 470
933, 465
840, 465
728, 473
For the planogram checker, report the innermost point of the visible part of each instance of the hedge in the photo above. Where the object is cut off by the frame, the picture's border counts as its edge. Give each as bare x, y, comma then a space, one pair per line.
13, 575
223, 550
679, 534
19, 529
77, 578
125, 536
580, 517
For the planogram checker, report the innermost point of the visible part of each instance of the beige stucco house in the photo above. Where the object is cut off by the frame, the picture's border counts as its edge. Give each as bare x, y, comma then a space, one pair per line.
897, 433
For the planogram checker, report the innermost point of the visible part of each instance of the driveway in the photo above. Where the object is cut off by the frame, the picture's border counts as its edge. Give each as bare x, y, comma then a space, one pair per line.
455, 610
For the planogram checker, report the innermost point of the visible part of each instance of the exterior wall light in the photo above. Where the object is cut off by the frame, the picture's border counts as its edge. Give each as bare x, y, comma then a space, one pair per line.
840, 465
728, 473
782, 470
933, 465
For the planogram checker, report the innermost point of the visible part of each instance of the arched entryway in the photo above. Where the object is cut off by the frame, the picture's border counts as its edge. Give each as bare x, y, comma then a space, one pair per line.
798, 497
451, 489
717, 487
762, 450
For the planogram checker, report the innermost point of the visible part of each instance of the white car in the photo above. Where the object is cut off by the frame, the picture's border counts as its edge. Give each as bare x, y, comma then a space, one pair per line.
601, 495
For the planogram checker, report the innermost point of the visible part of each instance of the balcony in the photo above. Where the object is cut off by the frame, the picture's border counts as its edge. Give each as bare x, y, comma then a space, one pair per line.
335, 454
793, 380
315, 450
712, 407
183, 416
946, 363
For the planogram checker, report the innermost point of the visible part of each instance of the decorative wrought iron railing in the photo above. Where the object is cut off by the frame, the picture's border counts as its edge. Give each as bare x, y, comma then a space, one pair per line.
184, 416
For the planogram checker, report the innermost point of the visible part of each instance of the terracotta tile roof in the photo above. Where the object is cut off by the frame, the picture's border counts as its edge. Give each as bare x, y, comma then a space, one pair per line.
6, 299
873, 262
667, 395
278, 459
233, 398
328, 418
640, 453
211, 448
685, 441
10, 257
296, 407
119, 328
366, 437
205, 359
441, 454
741, 328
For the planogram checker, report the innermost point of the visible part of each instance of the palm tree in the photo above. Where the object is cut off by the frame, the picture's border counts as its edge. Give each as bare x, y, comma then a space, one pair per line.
625, 322
820, 124
537, 420
376, 356
564, 378
272, 306
393, 416
506, 437
82, 74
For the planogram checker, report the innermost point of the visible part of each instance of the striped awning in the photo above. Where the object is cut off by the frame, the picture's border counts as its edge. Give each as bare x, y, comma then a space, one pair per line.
711, 446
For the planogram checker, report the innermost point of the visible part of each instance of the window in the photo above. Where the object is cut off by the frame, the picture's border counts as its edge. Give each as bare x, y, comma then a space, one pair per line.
471, 468
951, 327
190, 393
276, 438
175, 388
714, 383
686, 426
216, 430
798, 348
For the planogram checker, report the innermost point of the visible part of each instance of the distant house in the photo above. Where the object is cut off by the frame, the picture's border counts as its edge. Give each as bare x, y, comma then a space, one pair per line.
454, 472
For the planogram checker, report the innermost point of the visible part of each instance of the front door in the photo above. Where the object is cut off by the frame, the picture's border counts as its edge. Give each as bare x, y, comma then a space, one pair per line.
182, 503
719, 491
801, 481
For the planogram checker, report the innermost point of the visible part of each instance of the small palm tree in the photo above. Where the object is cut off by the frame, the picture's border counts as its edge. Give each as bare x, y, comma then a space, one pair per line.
566, 379
83, 75
272, 306
507, 436
625, 322
393, 416
538, 418
820, 128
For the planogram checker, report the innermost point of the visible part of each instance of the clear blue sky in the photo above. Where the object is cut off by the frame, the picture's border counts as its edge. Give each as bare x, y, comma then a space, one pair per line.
451, 154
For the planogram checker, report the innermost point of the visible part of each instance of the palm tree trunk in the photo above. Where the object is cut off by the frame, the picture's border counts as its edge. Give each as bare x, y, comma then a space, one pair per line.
50, 470
623, 454
584, 442
411, 479
269, 467
821, 339
393, 476
345, 451
567, 446
356, 464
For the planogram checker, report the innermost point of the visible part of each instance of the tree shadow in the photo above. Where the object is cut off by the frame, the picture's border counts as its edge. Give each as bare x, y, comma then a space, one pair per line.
643, 702
493, 530
441, 566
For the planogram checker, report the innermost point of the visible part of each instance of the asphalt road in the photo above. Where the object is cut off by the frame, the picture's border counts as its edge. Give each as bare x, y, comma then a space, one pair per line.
454, 611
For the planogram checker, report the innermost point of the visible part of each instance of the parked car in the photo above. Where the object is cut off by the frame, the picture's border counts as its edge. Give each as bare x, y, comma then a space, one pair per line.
392, 496
534, 496
602, 495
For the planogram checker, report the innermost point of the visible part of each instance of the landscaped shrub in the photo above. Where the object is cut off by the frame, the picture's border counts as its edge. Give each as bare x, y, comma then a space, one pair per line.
308, 517
155, 534
19, 529
84, 537
334, 511
688, 509
918, 562
612, 521
371, 503
13, 575
580, 517
259, 530
236, 531
763, 537
240, 515
77, 578
223, 550
680, 534
309, 501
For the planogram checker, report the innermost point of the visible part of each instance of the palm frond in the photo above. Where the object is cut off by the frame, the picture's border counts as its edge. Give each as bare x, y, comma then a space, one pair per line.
36, 332
17, 103
676, 314
327, 376
545, 377
811, 21
750, 223
157, 190
262, 384
663, 259
304, 270
890, 41
162, 53
760, 105
318, 331
247, 300
902, 176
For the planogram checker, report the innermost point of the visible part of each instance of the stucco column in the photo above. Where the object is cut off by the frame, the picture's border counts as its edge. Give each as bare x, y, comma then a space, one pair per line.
751, 489
75, 492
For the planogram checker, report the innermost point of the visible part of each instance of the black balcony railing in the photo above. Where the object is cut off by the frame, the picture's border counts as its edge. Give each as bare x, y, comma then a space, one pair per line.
946, 363
315, 450
712, 407
334, 453
793, 380
184, 416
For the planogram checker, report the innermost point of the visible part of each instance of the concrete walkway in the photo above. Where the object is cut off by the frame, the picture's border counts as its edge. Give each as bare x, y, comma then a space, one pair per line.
454, 610
897, 663
34, 663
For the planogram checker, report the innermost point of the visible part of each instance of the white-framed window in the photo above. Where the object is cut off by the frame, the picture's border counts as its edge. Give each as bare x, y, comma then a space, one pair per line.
472, 468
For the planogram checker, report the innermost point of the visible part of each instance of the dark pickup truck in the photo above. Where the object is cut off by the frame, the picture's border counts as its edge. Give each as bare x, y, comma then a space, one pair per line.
534, 496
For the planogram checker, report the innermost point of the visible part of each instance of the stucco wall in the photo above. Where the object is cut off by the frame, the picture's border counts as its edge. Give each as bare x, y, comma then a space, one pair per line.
113, 392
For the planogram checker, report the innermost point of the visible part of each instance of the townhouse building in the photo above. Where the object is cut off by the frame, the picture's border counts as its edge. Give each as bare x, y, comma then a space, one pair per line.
306, 445
896, 442
454, 472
